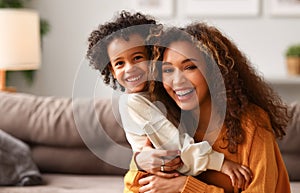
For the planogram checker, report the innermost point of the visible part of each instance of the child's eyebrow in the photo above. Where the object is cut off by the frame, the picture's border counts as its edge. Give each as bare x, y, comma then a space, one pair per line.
139, 52
116, 59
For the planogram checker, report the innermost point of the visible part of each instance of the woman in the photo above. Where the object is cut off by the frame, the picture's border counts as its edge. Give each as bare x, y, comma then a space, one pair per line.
254, 116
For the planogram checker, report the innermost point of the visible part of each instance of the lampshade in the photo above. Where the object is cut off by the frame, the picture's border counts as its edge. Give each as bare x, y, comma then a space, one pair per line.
19, 39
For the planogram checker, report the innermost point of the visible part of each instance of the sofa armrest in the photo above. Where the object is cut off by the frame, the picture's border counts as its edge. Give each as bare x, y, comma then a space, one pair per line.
289, 145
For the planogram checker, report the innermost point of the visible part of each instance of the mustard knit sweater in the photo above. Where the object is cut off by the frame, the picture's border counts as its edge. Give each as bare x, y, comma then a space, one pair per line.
259, 152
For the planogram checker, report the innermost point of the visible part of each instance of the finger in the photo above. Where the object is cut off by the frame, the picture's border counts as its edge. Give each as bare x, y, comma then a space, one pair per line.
175, 161
145, 184
247, 175
247, 170
145, 180
233, 179
240, 179
167, 175
144, 189
173, 153
161, 153
171, 168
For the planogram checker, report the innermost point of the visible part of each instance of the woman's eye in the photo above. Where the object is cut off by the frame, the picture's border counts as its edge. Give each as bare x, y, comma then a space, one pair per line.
168, 70
191, 67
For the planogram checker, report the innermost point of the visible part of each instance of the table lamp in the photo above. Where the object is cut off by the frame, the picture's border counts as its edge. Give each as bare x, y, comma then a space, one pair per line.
20, 47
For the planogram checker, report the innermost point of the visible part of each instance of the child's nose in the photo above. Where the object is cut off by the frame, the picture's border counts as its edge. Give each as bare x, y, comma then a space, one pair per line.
130, 67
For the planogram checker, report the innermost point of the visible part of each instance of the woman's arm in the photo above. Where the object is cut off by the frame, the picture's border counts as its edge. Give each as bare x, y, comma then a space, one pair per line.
265, 161
183, 184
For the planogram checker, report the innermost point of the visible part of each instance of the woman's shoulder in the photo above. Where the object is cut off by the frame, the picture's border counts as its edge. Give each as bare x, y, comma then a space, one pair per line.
256, 120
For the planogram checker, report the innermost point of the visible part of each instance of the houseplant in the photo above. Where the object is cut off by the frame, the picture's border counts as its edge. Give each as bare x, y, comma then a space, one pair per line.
293, 59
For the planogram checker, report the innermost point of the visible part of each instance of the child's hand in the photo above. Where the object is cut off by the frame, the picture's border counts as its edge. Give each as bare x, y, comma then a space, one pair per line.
240, 175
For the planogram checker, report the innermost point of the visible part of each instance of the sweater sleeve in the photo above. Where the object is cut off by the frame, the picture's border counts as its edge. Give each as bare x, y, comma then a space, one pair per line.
199, 157
192, 185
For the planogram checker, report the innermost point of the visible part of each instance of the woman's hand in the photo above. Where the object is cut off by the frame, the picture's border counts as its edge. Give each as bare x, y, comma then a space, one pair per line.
159, 162
157, 184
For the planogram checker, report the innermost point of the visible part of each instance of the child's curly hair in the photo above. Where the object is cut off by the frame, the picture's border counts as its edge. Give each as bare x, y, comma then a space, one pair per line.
121, 27
243, 85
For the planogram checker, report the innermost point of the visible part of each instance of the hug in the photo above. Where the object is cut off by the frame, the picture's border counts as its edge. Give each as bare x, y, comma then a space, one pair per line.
197, 115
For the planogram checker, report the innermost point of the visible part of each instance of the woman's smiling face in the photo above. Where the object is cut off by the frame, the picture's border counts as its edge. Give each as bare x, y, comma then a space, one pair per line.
182, 76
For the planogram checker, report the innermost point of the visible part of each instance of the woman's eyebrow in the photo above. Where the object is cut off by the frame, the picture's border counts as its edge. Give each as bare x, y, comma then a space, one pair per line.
166, 63
183, 62
189, 60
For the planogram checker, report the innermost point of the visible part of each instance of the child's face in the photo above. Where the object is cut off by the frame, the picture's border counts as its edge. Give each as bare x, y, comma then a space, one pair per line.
182, 77
129, 62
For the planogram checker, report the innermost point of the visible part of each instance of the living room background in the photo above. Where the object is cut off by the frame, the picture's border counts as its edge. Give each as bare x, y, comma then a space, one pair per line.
263, 38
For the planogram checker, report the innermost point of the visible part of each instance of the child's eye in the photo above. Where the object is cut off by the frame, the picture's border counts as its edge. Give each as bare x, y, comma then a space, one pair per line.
119, 63
139, 57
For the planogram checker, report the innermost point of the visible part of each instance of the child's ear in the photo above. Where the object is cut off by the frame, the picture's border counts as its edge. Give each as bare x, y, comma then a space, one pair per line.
112, 71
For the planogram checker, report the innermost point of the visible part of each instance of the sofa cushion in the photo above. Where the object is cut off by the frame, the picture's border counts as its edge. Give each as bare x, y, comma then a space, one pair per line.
71, 161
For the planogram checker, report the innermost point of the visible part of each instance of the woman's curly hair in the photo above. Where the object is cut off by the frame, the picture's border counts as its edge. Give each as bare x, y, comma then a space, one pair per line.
123, 26
243, 85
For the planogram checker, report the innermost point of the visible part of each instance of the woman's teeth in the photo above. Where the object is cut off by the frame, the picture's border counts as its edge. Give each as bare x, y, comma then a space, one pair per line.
184, 92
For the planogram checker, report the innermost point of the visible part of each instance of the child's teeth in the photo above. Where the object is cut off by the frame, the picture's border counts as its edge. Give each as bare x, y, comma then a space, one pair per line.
134, 79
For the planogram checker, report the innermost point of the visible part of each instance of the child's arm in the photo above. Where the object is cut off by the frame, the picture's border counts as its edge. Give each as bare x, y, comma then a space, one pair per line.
141, 116
240, 175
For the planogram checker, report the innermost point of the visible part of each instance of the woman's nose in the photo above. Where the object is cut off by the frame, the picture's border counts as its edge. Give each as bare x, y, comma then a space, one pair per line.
178, 77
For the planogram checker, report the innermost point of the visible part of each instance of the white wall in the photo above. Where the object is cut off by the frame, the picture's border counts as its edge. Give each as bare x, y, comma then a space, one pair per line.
263, 38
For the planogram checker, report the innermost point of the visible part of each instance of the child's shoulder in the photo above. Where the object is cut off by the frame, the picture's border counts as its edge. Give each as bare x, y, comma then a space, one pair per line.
140, 98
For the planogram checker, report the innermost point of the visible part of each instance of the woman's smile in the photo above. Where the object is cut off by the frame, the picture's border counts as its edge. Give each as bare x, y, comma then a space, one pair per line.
185, 94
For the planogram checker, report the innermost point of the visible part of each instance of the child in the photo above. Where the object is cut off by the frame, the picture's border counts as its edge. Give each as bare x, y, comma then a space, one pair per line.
122, 44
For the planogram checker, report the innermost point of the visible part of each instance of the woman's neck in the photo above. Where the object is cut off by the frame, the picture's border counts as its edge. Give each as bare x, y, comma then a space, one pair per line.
203, 113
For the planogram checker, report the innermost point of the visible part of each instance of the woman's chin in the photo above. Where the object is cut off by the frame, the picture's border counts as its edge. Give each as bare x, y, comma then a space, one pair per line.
188, 106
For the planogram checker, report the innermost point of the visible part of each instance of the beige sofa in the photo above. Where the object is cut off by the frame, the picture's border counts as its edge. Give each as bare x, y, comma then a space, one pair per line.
55, 129
77, 155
